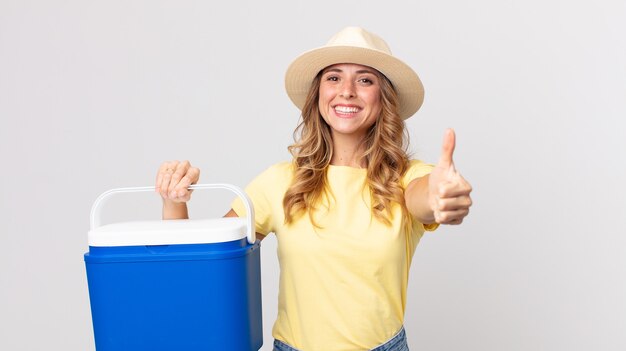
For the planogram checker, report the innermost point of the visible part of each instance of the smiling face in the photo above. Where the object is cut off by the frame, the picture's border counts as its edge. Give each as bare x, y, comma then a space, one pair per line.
349, 98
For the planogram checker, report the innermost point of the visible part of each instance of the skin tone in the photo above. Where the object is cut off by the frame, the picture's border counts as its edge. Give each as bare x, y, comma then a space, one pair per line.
443, 196
350, 104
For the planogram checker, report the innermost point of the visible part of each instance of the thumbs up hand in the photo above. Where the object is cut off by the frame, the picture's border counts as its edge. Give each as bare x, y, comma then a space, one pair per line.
448, 192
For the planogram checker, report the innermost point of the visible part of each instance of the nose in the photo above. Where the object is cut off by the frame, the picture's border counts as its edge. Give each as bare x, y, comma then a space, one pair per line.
347, 90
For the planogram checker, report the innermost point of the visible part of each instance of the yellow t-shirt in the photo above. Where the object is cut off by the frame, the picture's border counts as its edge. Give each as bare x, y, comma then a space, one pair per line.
342, 286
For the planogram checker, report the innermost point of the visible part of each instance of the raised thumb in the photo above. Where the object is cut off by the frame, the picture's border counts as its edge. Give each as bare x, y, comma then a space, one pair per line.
449, 142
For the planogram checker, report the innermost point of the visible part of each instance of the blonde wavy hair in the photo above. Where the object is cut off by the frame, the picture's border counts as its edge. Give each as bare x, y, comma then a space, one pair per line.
385, 156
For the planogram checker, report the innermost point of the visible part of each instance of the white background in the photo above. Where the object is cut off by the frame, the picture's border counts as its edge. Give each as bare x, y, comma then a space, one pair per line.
95, 95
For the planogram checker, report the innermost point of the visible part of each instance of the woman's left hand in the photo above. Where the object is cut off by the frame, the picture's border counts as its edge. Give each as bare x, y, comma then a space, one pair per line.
448, 192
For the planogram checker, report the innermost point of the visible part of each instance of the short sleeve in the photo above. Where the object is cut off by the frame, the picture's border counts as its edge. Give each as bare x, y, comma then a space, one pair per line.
418, 169
263, 192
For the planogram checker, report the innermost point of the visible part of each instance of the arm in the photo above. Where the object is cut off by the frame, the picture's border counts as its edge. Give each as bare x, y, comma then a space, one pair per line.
174, 210
416, 200
232, 213
173, 181
443, 196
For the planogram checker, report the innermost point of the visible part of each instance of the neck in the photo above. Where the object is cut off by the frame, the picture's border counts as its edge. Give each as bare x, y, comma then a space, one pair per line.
346, 151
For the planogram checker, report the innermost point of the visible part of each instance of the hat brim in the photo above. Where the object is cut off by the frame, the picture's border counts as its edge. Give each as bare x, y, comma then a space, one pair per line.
304, 68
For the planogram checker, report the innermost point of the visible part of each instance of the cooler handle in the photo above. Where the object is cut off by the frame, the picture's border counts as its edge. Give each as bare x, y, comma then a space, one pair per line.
95, 209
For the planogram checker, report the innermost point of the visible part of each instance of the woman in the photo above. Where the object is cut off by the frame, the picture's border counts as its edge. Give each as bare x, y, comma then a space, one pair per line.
350, 208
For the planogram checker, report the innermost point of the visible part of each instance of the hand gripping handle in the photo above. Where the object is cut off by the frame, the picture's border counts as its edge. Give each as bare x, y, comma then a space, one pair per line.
251, 232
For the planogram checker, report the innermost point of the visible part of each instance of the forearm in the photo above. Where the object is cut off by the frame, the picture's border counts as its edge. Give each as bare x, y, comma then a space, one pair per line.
175, 210
416, 200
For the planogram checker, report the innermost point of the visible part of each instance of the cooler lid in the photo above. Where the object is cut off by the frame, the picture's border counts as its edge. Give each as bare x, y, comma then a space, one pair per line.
169, 232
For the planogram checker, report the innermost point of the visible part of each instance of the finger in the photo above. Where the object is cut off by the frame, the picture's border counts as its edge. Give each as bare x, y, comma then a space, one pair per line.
165, 183
455, 203
177, 175
191, 177
456, 221
160, 174
451, 217
457, 187
447, 149
166, 178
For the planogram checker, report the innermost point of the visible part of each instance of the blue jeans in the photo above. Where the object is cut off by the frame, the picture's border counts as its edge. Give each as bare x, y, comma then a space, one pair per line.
397, 343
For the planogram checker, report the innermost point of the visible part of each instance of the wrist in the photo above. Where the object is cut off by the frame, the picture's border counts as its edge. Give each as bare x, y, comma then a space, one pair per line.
174, 210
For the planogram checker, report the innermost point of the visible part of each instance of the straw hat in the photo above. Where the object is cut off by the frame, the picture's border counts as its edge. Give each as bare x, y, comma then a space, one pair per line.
355, 45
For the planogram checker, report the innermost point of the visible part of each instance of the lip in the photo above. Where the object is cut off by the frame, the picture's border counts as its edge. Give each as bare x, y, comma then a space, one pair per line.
346, 114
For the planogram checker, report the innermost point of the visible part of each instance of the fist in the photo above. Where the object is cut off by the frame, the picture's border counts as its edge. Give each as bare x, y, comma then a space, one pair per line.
174, 178
448, 192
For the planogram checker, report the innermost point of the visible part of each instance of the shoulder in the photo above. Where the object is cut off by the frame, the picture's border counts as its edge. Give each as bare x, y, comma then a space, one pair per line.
277, 173
270, 184
416, 169
280, 169
417, 164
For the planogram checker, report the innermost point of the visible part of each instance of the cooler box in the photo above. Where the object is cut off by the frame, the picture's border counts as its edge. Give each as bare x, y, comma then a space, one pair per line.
175, 284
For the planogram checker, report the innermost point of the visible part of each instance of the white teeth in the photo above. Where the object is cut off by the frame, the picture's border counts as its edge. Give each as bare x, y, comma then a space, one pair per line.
345, 109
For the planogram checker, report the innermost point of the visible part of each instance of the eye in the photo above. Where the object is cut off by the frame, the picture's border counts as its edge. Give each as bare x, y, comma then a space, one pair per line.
332, 78
366, 81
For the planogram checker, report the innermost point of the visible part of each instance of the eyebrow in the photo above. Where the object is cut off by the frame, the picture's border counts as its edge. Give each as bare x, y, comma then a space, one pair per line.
361, 71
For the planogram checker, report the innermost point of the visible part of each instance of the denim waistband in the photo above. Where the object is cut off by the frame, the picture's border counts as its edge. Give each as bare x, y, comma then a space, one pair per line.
396, 343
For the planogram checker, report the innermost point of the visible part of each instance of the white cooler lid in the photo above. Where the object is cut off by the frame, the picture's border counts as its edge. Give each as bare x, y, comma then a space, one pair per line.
169, 232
